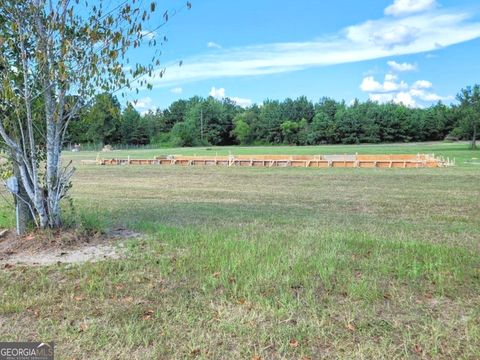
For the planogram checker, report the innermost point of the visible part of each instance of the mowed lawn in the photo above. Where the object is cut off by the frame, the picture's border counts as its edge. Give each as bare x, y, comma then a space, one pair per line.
253, 263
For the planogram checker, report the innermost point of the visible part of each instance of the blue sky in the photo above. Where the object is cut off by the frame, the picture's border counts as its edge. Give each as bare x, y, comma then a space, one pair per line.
412, 51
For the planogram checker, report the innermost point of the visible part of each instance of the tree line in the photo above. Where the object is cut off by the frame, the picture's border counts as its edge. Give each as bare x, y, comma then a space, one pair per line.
210, 121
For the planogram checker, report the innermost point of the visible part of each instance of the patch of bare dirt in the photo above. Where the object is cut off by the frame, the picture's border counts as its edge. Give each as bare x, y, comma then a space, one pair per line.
67, 247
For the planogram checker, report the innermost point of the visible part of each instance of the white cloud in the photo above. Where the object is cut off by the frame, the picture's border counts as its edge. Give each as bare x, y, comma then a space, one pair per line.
405, 7
398, 35
144, 105
375, 39
390, 84
402, 97
406, 99
422, 84
217, 93
369, 84
399, 92
220, 94
149, 35
381, 98
177, 90
242, 102
391, 77
427, 96
213, 45
401, 67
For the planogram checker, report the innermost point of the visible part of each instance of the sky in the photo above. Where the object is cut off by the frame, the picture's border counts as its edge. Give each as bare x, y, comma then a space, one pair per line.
415, 52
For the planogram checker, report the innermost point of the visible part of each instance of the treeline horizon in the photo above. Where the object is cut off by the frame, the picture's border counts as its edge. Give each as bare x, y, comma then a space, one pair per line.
209, 122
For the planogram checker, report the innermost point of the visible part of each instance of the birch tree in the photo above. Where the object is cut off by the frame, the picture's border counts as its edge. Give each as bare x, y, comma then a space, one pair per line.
55, 56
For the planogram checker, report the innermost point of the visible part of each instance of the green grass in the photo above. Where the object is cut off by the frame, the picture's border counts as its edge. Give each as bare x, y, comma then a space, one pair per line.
239, 262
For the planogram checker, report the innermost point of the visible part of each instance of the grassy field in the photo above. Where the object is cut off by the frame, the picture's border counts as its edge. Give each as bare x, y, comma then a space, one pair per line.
458, 151
254, 263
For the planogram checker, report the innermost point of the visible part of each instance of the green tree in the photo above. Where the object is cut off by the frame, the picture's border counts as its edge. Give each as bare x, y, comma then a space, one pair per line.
153, 121
267, 129
217, 125
303, 130
102, 120
298, 109
370, 125
289, 132
175, 113
349, 125
323, 130
242, 131
183, 134
129, 124
469, 99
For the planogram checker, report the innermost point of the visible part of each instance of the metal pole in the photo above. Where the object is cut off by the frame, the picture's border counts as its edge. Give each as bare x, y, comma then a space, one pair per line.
17, 215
